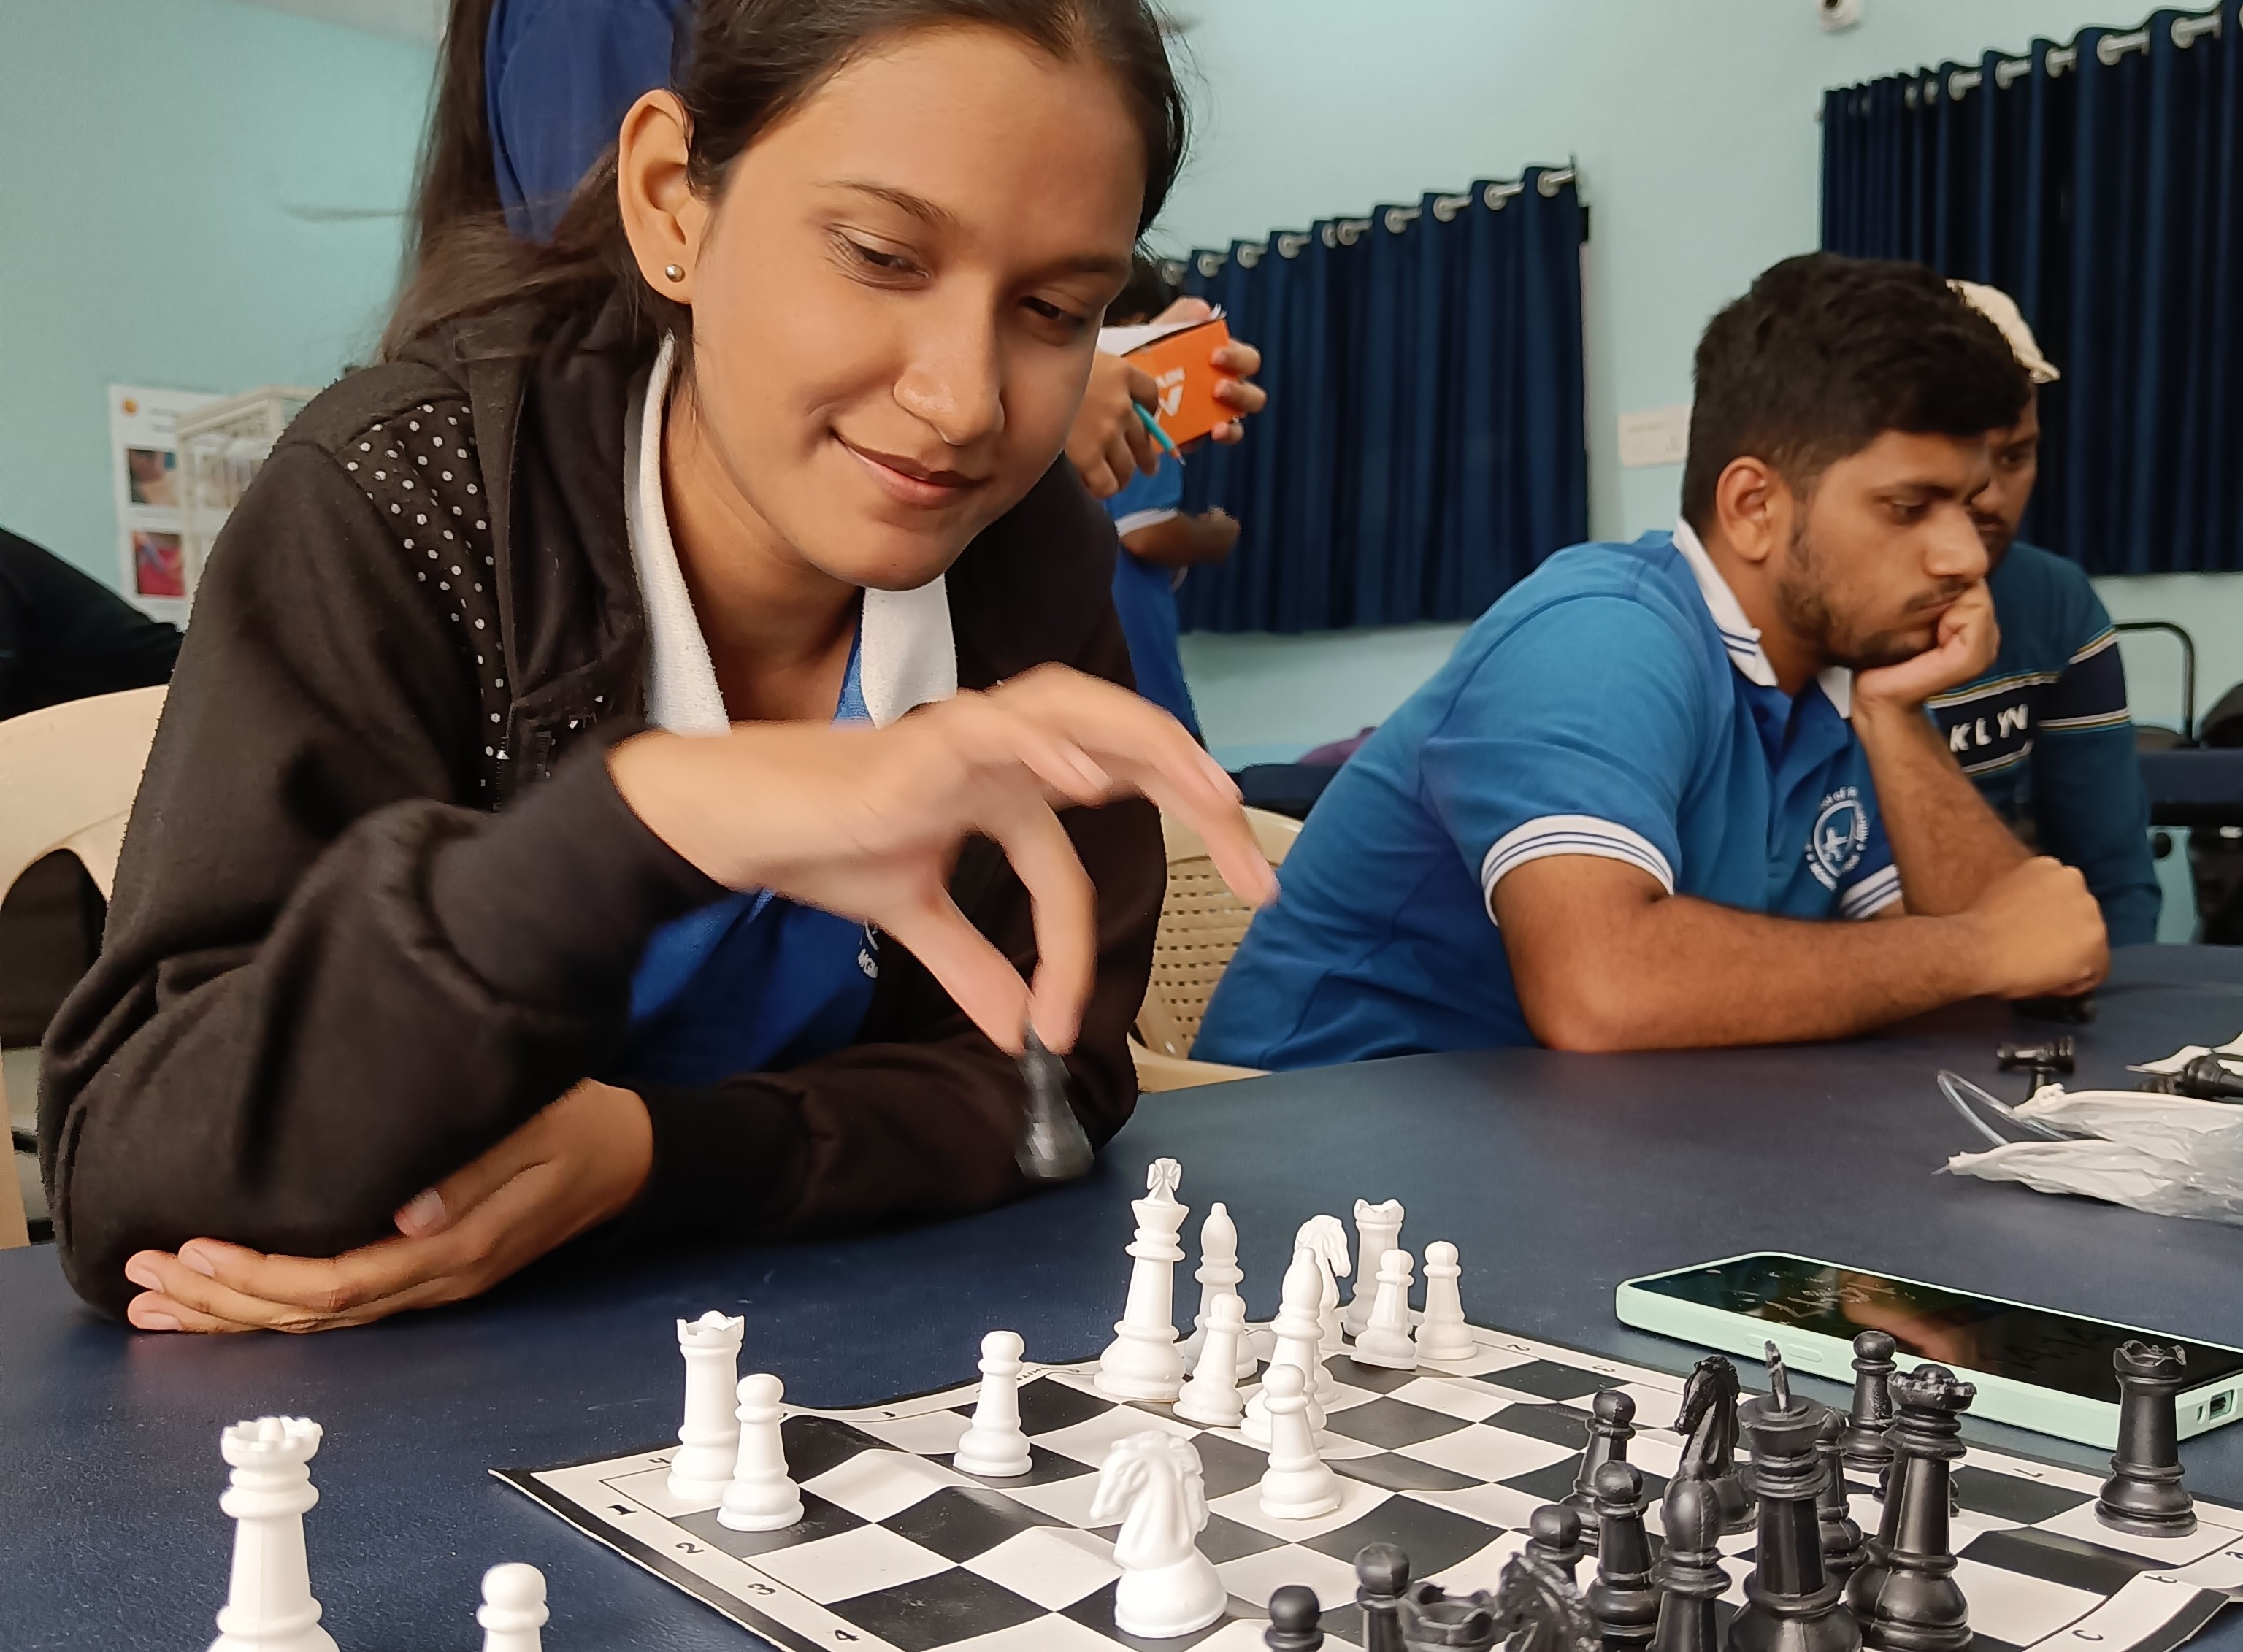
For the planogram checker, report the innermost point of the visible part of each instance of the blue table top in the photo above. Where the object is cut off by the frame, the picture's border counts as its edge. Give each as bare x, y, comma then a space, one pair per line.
1558, 1176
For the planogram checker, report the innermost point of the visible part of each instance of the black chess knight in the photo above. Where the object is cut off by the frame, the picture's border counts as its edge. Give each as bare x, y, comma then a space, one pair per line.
1709, 1417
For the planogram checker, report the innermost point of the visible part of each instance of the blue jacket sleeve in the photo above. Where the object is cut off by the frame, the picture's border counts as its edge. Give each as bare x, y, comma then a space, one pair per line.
2091, 809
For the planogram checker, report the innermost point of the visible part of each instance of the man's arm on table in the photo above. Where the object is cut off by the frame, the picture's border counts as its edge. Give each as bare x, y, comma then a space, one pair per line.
1604, 959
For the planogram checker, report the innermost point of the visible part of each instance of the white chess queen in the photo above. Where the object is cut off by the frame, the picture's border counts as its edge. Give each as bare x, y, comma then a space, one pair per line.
1152, 1484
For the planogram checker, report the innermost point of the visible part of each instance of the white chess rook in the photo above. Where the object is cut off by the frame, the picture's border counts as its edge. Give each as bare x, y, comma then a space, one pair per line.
513, 1611
1297, 1485
1378, 1230
1297, 1346
1211, 1397
1143, 1362
994, 1447
709, 1439
760, 1497
1444, 1334
1219, 1276
269, 1606
1385, 1339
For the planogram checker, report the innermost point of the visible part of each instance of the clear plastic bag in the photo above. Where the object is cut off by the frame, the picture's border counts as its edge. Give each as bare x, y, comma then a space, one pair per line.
2168, 1155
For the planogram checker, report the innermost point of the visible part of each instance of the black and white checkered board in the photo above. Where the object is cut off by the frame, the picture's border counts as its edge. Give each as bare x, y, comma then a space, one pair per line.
900, 1552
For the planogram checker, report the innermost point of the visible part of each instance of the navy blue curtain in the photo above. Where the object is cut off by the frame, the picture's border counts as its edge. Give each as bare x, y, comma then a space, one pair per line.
2100, 185
1423, 446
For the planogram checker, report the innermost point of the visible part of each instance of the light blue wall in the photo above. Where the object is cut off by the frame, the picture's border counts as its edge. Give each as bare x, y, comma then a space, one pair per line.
185, 187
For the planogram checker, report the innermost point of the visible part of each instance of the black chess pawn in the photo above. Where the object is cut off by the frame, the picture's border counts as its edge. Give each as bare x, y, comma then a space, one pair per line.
1904, 1593
2144, 1494
1553, 1534
1689, 1573
1294, 1620
1382, 1577
1791, 1605
1621, 1597
1842, 1539
1435, 1622
1863, 1445
1612, 1425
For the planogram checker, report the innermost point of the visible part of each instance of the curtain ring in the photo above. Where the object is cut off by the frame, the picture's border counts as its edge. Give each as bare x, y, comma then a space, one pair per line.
1550, 183
1446, 207
1399, 218
1497, 194
1248, 254
1210, 266
1172, 272
1289, 246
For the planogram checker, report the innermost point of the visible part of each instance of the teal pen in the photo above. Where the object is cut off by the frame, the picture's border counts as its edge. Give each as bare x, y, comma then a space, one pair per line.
1159, 435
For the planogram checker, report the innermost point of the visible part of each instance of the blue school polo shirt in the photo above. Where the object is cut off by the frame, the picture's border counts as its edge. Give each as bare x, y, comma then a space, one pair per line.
1145, 594
1615, 703
2047, 738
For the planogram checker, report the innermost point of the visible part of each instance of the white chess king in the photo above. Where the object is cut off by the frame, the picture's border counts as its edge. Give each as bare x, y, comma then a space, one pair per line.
1143, 1361
268, 1602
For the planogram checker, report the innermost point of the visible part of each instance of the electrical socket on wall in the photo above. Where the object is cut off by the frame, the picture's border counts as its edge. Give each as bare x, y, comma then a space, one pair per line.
1654, 436
1839, 14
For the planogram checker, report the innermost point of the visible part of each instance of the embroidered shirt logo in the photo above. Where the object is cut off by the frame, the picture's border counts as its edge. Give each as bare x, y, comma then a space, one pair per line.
1840, 834
868, 954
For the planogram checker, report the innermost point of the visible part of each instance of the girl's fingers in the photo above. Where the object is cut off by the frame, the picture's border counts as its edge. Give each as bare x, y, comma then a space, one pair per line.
154, 1311
981, 980
1063, 906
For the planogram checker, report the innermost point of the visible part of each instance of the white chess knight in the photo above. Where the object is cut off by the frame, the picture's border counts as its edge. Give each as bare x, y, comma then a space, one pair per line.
1297, 1485
1219, 1276
1385, 1340
513, 1613
1443, 1335
1152, 1484
1143, 1362
760, 1497
1298, 1346
1210, 1398
709, 1439
269, 1607
994, 1447
1324, 1238
1378, 1230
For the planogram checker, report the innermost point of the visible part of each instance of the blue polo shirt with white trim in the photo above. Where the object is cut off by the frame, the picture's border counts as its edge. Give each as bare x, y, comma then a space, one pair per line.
1615, 703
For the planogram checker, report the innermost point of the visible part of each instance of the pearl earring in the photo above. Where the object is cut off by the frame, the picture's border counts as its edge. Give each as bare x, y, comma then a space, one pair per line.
675, 271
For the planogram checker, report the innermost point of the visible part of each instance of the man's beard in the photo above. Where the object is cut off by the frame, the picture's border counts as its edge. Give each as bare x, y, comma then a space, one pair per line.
1799, 599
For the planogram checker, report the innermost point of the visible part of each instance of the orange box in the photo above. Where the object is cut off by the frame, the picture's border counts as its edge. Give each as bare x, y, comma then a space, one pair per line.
1185, 376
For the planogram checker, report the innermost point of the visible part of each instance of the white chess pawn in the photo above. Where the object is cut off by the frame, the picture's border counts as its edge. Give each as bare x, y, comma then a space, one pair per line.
1297, 1346
1443, 1335
1385, 1339
709, 1439
269, 1606
1297, 1485
1218, 1276
1378, 1230
1142, 1362
994, 1447
760, 1497
514, 1609
1211, 1396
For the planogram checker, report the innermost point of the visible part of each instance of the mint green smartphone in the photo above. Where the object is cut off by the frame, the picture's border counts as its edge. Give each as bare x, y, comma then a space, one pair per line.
2034, 1367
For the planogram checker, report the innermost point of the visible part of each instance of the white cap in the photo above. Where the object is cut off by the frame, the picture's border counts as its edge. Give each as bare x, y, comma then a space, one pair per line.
2001, 309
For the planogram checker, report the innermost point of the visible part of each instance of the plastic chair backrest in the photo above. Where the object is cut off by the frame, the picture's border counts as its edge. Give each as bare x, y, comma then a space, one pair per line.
68, 774
1201, 924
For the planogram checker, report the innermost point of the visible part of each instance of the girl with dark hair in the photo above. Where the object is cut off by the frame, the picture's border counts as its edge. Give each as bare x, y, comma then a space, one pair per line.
536, 840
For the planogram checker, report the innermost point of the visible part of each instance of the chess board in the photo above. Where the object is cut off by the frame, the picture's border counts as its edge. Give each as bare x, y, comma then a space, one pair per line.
900, 1552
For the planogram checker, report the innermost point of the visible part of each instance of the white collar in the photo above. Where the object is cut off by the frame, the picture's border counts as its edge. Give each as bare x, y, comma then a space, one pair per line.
1739, 636
906, 655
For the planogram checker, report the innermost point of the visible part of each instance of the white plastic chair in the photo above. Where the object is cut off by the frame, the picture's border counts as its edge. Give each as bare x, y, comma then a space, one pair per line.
68, 775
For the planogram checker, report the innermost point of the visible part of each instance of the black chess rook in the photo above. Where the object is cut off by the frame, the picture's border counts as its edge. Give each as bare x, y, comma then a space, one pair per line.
1904, 1593
1612, 1425
1791, 1604
2144, 1494
1434, 1621
1621, 1598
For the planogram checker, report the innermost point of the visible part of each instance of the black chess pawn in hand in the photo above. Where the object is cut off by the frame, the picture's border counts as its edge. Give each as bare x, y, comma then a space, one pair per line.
2144, 1494
1904, 1593
1053, 1147
1791, 1605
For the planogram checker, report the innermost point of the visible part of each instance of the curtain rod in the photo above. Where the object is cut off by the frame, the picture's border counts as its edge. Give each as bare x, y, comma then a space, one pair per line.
1346, 231
2009, 71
